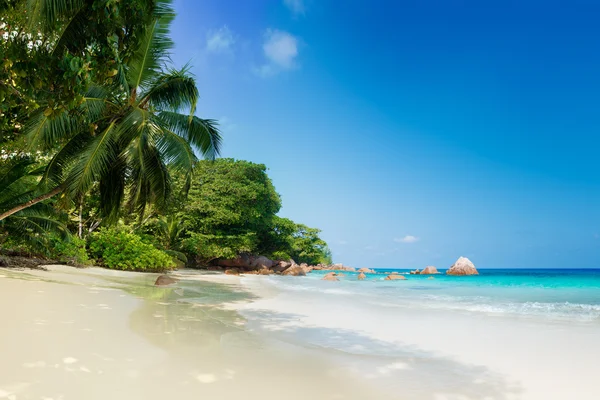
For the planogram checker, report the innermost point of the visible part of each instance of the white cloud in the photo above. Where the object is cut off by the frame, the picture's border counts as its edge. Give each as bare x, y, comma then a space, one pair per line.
407, 239
221, 40
295, 6
281, 50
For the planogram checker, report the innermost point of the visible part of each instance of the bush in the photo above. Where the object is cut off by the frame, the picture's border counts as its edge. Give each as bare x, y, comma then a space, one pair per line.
69, 251
116, 248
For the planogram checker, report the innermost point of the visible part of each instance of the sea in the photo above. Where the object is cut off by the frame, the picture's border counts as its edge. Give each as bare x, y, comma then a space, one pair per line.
553, 294
502, 334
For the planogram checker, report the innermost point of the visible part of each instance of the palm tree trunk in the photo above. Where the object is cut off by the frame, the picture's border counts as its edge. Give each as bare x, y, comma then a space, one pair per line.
31, 202
81, 218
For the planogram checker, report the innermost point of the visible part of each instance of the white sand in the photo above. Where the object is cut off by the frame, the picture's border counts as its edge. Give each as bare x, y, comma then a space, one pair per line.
81, 336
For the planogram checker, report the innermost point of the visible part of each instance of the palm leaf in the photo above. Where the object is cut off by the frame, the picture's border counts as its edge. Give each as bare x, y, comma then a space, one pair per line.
112, 190
174, 90
146, 63
43, 131
94, 161
202, 134
47, 12
176, 152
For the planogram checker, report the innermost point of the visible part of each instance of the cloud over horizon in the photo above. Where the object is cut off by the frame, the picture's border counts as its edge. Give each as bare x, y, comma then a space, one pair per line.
407, 239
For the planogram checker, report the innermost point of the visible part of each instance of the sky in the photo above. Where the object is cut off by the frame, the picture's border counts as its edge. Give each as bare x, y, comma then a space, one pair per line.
413, 132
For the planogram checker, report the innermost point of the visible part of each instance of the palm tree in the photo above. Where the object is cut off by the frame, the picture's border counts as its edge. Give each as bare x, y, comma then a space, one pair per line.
129, 135
32, 225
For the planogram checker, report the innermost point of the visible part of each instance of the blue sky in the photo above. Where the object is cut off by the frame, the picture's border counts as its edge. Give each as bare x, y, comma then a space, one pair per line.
413, 132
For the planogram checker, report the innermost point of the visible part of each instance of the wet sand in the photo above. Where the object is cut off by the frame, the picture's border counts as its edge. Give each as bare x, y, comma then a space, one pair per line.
97, 334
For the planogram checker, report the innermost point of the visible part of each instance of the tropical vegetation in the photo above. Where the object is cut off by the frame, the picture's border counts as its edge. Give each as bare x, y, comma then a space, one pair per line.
99, 147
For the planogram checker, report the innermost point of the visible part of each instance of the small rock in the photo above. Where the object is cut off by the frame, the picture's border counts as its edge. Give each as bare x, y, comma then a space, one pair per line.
294, 270
395, 277
429, 271
165, 280
330, 278
265, 272
362, 276
233, 271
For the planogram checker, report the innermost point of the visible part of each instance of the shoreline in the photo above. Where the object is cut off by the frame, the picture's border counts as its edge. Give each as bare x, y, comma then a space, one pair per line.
457, 353
343, 341
100, 334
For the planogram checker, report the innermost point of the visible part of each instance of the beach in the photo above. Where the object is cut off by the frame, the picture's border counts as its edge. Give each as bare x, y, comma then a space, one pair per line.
95, 334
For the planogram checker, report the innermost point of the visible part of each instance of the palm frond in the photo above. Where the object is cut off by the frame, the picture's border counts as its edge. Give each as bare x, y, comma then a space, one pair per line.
71, 31
12, 174
93, 162
95, 103
176, 152
44, 132
174, 90
146, 63
202, 134
58, 168
150, 180
112, 190
47, 12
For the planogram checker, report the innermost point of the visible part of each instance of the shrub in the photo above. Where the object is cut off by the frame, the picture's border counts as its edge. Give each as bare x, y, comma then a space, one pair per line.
70, 251
116, 248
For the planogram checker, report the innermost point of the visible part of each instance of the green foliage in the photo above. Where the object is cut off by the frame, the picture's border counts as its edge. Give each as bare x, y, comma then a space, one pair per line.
70, 251
208, 247
30, 227
229, 206
231, 196
231, 209
286, 240
53, 49
116, 248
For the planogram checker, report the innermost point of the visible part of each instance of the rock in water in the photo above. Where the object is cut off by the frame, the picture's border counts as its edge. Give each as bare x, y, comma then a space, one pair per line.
294, 270
429, 271
165, 280
462, 266
306, 268
367, 270
361, 276
281, 266
330, 278
395, 277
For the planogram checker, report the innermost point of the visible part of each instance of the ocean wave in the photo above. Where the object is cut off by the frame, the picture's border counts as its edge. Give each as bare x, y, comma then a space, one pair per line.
559, 310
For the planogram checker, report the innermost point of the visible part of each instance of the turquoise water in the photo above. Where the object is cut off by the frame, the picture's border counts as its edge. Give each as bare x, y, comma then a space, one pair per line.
565, 294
